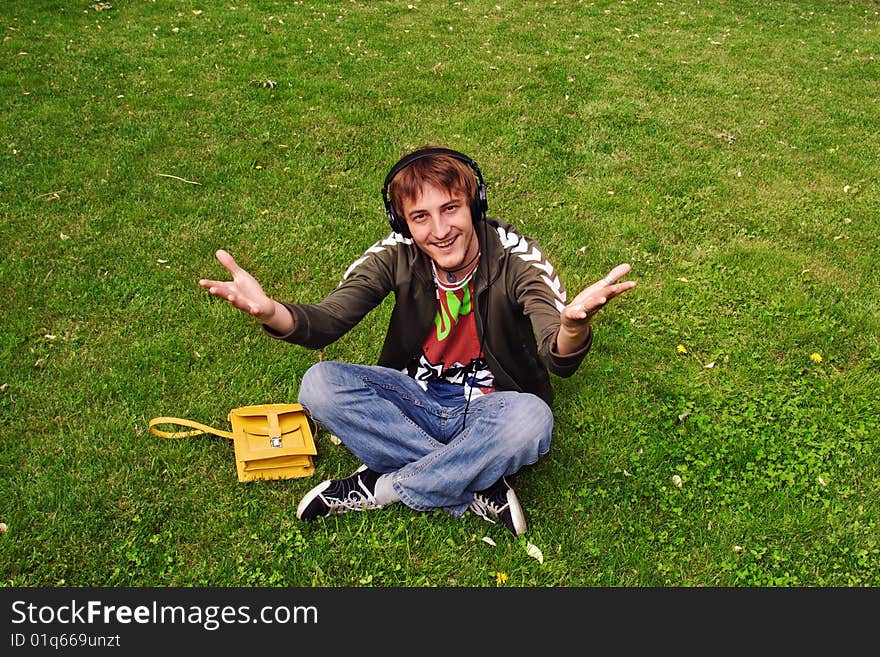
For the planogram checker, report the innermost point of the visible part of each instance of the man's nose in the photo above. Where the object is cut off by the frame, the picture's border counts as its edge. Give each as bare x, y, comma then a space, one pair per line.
439, 225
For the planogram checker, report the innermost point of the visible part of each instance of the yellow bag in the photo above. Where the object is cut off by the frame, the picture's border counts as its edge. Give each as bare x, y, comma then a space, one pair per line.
272, 441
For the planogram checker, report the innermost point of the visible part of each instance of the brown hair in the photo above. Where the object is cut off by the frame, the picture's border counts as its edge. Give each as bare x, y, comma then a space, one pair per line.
441, 171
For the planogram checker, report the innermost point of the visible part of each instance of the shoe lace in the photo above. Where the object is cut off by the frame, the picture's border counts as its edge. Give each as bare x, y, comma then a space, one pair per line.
357, 498
483, 505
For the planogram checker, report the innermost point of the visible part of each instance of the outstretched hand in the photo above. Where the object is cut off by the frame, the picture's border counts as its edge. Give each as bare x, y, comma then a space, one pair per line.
243, 291
576, 316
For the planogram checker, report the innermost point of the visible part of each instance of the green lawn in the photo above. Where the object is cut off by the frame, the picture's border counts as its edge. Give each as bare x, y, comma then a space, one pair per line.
727, 150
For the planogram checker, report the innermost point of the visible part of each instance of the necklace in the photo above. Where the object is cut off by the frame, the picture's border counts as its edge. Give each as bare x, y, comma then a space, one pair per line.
450, 273
453, 283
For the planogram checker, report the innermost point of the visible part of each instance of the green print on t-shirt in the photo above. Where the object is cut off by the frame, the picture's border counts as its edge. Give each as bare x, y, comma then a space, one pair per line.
449, 312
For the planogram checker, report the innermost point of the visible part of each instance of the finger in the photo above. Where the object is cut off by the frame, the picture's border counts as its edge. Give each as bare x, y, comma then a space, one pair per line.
612, 276
613, 291
588, 308
228, 261
220, 289
617, 288
216, 286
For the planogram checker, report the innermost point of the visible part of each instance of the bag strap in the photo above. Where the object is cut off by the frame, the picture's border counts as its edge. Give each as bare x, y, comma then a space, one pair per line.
198, 428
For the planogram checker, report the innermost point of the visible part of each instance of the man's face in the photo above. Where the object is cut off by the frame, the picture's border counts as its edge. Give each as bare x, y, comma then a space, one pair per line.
441, 226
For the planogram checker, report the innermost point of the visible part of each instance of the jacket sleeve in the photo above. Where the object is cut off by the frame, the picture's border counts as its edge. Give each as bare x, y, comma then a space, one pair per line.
541, 294
365, 284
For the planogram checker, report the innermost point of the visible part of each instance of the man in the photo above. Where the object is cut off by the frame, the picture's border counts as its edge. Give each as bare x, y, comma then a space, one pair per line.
460, 398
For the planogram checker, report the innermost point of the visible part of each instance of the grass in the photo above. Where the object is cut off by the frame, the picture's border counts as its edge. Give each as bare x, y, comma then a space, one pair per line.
726, 150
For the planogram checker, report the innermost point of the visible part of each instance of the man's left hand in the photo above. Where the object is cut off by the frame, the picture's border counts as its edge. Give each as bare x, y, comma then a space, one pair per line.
575, 317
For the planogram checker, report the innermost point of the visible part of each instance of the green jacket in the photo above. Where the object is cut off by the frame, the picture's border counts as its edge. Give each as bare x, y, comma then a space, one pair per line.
517, 295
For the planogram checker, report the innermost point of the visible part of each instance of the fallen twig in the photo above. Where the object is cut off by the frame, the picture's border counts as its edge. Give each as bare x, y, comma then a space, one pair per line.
168, 175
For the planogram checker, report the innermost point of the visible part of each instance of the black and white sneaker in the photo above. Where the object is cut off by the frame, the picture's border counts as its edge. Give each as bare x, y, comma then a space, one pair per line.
500, 501
354, 493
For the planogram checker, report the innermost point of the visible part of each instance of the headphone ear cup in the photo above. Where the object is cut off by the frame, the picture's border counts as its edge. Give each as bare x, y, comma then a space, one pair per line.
397, 225
476, 211
479, 206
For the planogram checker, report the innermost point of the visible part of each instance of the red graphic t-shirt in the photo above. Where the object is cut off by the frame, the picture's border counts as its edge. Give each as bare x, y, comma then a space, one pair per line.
451, 351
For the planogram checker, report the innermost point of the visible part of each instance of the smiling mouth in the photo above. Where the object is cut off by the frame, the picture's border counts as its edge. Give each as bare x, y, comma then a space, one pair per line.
446, 244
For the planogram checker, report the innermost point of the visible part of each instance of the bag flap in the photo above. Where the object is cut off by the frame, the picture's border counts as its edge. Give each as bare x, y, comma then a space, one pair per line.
271, 431
260, 446
271, 425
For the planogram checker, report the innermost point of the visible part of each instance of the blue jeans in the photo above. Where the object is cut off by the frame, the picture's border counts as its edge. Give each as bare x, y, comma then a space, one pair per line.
394, 426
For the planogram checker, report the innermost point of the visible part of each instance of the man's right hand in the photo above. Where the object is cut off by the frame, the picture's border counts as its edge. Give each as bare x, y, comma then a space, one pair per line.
246, 294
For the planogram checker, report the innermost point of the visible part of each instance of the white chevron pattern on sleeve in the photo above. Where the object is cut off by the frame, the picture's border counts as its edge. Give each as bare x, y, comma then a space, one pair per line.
507, 240
519, 245
352, 267
393, 239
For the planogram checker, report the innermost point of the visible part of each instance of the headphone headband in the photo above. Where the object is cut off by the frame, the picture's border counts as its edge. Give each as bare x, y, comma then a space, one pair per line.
478, 203
427, 152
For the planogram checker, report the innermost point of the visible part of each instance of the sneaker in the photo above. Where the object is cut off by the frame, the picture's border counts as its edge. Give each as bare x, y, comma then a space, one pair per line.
354, 493
500, 501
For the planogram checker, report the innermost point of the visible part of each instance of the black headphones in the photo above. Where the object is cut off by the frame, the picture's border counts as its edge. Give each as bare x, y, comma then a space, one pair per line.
478, 203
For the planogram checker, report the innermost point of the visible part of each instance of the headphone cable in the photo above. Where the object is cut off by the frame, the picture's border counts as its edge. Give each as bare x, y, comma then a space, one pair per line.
472, 364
